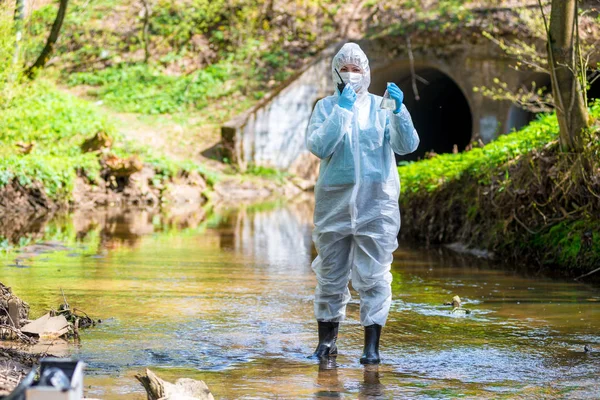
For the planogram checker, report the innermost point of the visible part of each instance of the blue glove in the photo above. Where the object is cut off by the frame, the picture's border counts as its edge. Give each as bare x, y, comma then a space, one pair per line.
396, 94
347, 98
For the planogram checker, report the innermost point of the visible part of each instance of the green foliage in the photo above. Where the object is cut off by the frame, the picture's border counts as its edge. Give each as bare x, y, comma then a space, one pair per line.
201, 51
180, 21
56, 124
9, 73
83, 40
36, 113
431, 174
515, 196
143, 89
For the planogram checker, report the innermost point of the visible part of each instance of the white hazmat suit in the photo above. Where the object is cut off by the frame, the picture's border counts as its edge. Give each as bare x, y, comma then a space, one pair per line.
357, 217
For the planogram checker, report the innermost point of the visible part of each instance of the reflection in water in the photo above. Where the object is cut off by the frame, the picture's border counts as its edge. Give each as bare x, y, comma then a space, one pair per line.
227, 298
124, 228
275, 237
371, 386
328, 382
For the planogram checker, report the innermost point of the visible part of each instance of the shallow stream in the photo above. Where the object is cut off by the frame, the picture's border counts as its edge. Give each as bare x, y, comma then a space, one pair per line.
228, 299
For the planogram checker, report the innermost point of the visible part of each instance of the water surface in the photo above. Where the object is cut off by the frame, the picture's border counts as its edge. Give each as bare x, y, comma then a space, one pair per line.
226, 297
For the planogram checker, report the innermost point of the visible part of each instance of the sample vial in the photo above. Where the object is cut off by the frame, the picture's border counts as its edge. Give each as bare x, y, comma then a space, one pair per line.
387, 103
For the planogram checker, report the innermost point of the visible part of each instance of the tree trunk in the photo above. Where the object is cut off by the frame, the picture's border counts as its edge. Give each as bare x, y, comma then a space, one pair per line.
47, 51
19, 16
566, 87
146, 29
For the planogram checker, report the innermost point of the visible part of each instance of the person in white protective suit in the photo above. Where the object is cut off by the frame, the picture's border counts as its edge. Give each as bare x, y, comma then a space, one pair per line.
357, 217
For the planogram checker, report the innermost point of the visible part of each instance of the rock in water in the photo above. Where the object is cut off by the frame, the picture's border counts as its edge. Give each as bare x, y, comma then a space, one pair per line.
182, 389
456, 302
461, 311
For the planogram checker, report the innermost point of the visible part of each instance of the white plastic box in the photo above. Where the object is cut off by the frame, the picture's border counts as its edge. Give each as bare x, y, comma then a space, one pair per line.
73, 370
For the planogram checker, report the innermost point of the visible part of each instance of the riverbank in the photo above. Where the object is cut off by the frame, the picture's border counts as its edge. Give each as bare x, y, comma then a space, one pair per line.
518, 197
59, 152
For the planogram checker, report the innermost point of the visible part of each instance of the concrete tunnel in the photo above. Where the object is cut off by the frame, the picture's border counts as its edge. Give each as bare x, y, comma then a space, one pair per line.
441, 115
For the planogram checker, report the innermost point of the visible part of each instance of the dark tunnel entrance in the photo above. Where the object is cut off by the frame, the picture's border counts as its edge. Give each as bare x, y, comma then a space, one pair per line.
442, 115
593, 92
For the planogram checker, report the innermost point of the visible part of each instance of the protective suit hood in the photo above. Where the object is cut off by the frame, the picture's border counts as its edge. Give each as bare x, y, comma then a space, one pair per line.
351, 53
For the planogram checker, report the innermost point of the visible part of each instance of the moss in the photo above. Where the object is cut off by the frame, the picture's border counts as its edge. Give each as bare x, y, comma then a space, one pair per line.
570, 243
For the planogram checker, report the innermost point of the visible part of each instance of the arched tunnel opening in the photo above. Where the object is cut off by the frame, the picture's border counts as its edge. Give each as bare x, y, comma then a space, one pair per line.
441, 112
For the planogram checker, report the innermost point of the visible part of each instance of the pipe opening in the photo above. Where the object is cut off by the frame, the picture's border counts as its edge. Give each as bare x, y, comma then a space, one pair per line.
441, 114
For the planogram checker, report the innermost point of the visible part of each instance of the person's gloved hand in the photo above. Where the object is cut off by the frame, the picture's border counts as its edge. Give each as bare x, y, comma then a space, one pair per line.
396, 94
347, 98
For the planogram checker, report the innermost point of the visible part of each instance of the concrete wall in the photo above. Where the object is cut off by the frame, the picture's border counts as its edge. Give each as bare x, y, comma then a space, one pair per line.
272, 134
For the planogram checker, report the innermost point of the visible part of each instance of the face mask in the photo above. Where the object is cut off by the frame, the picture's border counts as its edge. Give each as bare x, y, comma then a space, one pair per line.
354, 79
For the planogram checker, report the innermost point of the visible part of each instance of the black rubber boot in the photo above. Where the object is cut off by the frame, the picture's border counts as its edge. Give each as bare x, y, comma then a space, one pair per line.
371, 351
328, 332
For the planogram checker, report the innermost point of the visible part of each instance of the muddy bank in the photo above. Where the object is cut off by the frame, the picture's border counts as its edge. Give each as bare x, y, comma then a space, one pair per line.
15, 360
14, 366
25, 210
541, 209
24, 342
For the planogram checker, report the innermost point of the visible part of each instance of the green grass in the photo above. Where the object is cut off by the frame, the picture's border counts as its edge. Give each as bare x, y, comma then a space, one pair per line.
429, 175
145, 90
57, 123
266, 172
